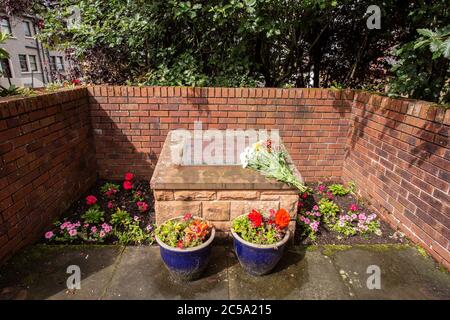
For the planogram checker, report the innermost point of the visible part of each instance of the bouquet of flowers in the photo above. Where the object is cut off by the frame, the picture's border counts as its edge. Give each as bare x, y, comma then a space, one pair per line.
271, 163
185, 232
262, 229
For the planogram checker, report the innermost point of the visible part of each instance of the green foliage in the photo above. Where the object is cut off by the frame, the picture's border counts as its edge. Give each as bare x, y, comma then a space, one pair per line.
260, 235
169, 232
338, 190
132, 233
93, 215
109, 186
14, 91
423, 67
274, 43
184, 233
3, 53
329, 209
120, 217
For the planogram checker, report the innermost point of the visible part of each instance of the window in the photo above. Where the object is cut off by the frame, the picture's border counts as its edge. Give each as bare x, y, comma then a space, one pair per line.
5, 68
33, 63
53, 63
5, 26
27, 29
23, 63
59, 64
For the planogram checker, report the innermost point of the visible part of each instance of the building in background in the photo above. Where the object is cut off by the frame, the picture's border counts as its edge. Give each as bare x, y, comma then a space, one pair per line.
29, 63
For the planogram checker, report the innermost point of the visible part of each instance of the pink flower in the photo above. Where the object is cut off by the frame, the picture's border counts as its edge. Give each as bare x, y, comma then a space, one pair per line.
73, 232
362, 216
304, 195
315, 226
330, 195
316, 208
317, 214
187, 216
110, 205
129, 176
353, 207
127, 185
65, 225
136, 218
86, 225
307, 221
94, 229
110, 192
106, 227
142, 206
322, 188
354, 216
302, 218
49, 235
102, 234
90, 200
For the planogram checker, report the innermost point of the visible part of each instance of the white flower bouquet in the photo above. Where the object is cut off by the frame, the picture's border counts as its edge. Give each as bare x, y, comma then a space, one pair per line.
271, 163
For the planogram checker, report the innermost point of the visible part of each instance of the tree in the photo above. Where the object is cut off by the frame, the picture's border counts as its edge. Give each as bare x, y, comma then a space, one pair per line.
273, 43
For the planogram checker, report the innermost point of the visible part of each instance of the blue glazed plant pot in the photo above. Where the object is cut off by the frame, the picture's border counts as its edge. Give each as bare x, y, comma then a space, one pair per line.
258, 259
189, 263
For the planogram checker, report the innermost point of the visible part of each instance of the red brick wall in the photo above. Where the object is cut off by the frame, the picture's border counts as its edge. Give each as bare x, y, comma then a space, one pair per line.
131, 124
396, 151
46, 161
398, 155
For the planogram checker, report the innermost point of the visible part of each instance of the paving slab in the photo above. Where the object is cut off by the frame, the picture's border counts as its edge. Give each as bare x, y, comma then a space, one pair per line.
404, 273
141, 274
301, 274
41, 272
325, 272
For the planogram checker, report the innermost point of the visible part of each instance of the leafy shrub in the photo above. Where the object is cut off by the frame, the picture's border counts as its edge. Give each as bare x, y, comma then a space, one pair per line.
132, 233
109, 186
338, 190
93, 215
329, 209
120, 217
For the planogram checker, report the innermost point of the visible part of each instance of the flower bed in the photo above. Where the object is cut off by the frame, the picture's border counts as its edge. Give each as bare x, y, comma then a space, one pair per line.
112, 212
332, 214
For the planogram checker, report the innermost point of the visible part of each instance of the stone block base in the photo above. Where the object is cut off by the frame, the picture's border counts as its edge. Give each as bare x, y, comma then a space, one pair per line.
221, 207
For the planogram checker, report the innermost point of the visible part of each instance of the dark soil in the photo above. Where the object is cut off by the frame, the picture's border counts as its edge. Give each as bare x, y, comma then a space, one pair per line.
325, 236
122, 199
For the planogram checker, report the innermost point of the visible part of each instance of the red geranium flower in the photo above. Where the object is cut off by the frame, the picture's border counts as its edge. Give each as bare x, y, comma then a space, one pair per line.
127, 185
187, 216
129, 176
142, 206
282, 218
256, 218
180, 244
90, 200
